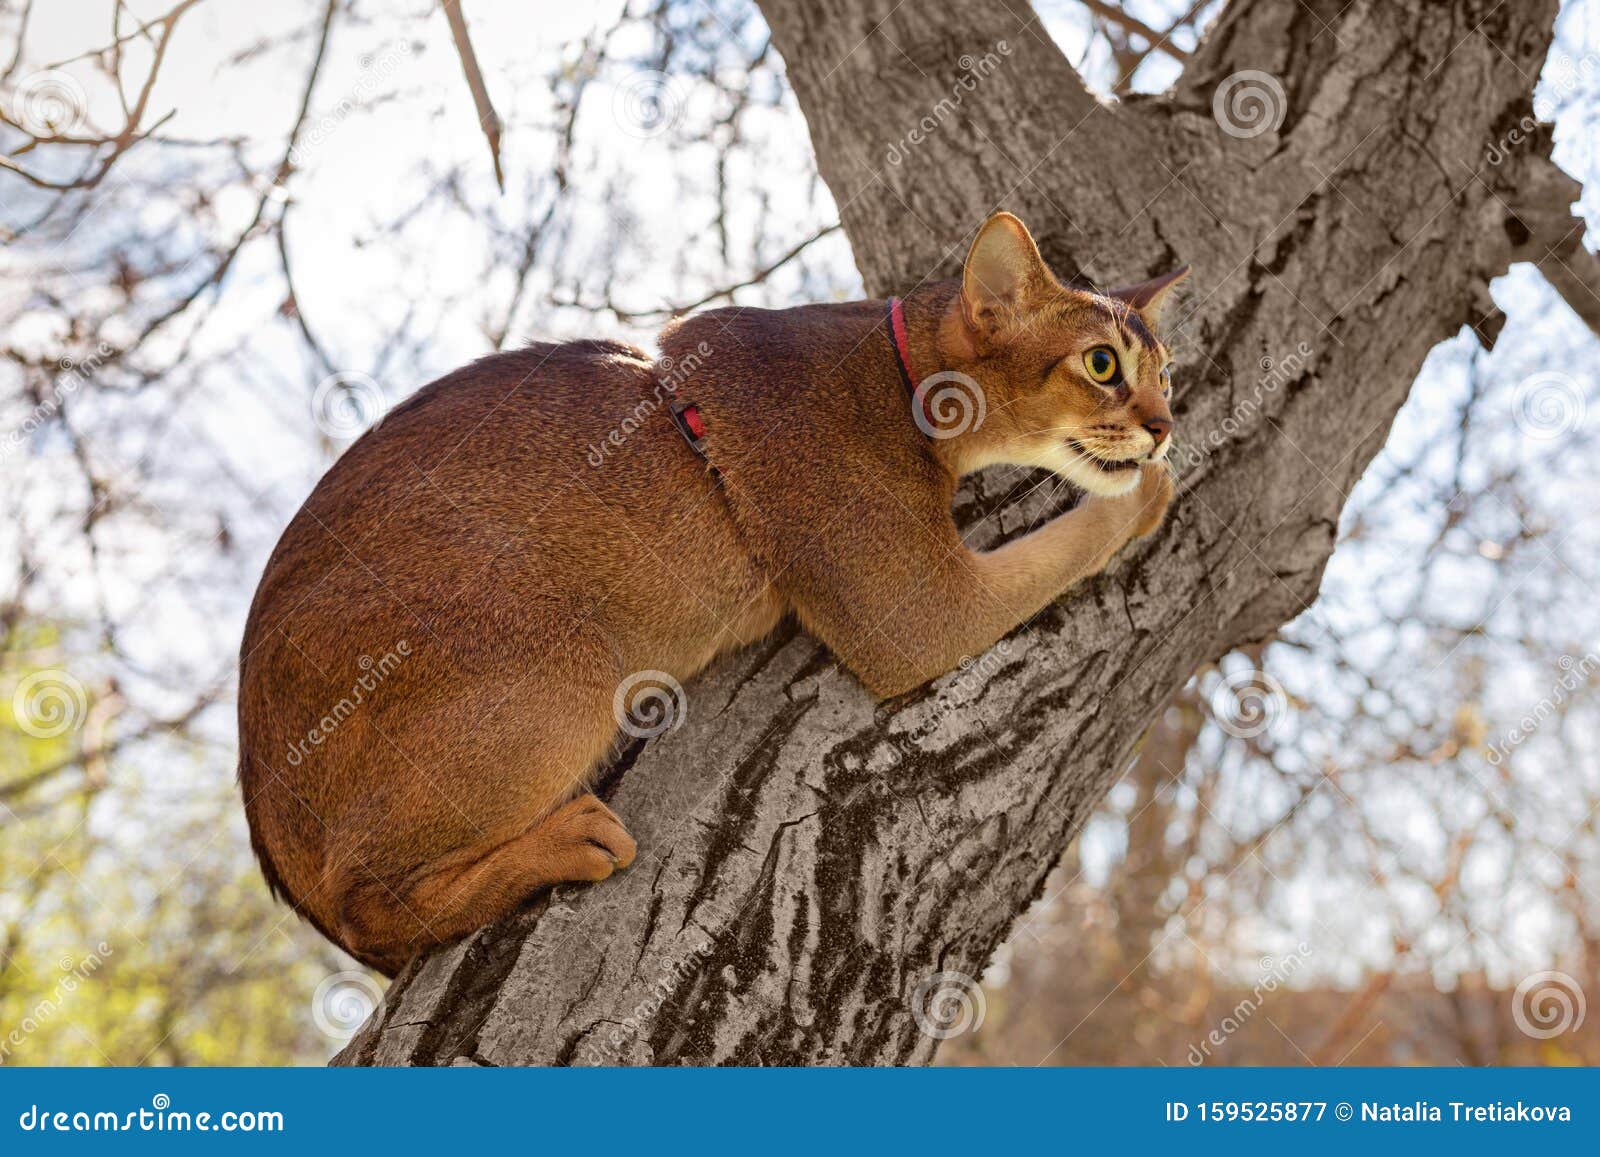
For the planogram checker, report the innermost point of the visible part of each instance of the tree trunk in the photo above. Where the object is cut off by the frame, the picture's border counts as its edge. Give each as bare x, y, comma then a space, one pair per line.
820, 878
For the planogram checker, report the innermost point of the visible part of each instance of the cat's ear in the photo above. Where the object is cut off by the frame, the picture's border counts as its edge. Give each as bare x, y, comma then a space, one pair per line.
1002, 276
1150, 297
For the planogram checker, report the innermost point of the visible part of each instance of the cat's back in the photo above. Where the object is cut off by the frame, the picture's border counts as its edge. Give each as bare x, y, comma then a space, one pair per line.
485, 487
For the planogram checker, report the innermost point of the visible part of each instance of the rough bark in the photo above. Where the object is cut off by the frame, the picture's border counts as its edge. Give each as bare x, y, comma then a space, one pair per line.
1545, 232
810, 861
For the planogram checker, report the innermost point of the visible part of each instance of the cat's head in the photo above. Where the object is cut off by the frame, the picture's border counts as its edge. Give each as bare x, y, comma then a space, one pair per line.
1074, 381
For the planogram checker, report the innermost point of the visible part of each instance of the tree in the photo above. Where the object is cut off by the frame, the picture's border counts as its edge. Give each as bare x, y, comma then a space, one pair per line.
820, 878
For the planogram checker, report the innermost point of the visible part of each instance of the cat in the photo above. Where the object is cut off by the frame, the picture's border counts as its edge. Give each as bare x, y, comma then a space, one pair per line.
438, 653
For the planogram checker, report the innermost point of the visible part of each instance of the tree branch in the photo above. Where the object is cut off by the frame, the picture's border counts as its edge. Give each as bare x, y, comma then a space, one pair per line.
724, 293
1554, 238
817, 871
488, 119
1155, 41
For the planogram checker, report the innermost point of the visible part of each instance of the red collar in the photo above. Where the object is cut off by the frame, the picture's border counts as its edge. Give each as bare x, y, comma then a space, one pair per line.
902, 344
686, 415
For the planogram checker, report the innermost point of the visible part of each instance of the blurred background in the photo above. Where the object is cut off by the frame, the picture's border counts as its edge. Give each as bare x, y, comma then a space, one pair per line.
235, 234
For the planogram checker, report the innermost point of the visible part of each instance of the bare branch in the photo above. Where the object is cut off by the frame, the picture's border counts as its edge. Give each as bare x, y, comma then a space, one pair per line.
1554, 240
1157, 41
724, 293
488, 119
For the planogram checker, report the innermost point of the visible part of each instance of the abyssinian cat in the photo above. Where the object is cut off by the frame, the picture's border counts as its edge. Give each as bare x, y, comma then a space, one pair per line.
434, 662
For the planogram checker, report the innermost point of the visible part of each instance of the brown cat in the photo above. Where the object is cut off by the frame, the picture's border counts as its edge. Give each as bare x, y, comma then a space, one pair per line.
445, 638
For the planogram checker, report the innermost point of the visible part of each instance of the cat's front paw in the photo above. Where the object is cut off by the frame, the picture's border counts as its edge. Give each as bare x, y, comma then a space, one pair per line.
1150, 499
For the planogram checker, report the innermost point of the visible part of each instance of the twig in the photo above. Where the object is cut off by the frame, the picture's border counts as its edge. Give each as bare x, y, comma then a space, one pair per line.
488, 119
755, 278
1131, 23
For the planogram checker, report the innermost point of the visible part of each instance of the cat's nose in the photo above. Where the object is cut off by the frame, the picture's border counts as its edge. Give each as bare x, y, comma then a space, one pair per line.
1158, 428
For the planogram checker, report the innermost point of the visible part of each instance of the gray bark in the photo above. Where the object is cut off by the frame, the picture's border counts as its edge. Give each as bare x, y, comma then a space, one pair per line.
810, 862
1545, 232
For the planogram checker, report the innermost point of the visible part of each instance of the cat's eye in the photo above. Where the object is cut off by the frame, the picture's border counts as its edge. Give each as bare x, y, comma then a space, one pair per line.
1166, 380
1101, 364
